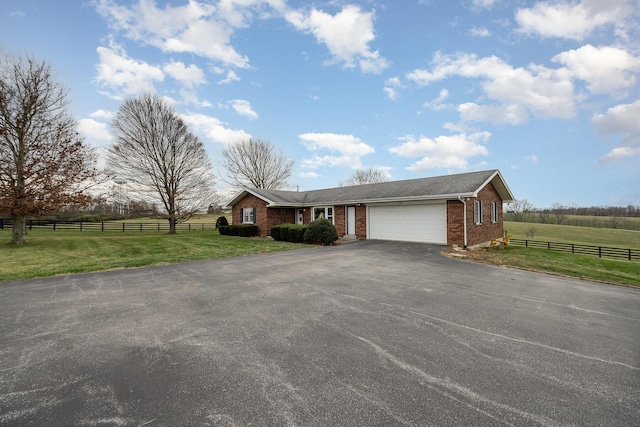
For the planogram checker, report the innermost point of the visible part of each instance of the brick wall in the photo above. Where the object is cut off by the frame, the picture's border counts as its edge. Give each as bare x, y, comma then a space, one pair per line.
262, 216
340, 220
361, 221
455, 223
476, 234
481, 234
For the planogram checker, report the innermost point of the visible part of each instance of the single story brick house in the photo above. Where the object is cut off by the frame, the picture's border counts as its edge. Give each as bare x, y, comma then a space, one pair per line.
457, 210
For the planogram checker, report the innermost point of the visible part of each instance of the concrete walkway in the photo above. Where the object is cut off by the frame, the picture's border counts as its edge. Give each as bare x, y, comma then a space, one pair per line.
364, 334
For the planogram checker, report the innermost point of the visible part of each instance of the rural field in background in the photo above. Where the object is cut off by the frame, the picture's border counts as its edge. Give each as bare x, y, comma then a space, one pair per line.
618, 271
574, 234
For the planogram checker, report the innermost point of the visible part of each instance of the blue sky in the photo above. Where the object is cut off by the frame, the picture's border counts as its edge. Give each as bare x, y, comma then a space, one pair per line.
545, 91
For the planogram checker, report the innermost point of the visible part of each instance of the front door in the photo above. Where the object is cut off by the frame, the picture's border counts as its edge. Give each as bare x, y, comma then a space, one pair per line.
351, 220
299, 216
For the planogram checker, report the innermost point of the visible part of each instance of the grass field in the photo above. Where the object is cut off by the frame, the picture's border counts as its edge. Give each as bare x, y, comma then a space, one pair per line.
48, 252
581, 266
574, 234
612, 222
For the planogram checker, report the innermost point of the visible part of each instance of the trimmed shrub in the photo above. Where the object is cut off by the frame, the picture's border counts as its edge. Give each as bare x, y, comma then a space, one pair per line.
321, 231
221, 221
284, 232
288, 232
238, 230
296, 233
275, 232
247, 230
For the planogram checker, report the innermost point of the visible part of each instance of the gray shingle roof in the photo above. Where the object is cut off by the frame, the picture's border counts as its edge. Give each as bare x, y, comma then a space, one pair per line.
439, 187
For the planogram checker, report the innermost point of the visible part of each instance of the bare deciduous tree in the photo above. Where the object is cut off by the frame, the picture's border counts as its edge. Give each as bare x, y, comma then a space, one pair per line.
366, 176
520, 210
154, 151
256, 163
44, 163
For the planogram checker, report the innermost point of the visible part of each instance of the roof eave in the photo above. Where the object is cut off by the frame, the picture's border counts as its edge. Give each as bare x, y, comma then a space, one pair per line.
501, 187
242, 194
372, 201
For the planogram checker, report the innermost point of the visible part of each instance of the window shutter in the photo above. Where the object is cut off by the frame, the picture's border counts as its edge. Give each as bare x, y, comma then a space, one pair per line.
254, 215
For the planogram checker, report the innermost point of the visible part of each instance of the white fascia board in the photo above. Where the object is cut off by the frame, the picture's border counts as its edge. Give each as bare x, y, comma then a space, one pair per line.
243, 193
442, 197
503, 184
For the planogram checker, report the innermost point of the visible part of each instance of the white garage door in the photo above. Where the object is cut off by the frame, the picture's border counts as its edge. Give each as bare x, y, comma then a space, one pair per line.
411, 223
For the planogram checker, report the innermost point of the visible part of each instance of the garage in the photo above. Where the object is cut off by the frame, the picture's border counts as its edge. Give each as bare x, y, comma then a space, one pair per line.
410, 223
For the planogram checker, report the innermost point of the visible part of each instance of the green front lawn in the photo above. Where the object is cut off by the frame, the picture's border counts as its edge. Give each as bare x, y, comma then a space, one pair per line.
48, 252
580, 266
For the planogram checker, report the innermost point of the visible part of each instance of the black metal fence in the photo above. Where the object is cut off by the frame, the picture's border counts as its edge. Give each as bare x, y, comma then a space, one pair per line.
108, 226
574, 248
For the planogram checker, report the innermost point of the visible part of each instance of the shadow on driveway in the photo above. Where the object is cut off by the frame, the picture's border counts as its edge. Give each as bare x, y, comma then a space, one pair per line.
368, 334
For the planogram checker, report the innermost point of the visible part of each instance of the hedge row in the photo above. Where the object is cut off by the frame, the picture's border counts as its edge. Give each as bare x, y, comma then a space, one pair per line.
238, 230
289, 232
320, 231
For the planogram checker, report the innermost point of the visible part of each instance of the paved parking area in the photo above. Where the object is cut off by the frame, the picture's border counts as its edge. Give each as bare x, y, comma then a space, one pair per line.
362, 334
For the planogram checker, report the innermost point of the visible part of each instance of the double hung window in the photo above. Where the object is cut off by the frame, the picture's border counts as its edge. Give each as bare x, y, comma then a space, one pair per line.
248, 215
494, 212
477, 212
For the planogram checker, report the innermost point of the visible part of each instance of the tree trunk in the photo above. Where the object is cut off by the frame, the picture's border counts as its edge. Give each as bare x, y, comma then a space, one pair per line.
19, 229
172, 224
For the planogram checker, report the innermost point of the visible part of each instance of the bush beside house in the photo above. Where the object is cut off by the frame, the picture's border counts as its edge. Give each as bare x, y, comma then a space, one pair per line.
238, 230
289, 232
321, 232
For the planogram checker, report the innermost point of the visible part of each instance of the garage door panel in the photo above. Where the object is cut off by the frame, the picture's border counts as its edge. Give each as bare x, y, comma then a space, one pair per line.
412, 223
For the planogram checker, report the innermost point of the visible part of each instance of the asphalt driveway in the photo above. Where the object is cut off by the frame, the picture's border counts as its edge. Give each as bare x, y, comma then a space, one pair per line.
364, 334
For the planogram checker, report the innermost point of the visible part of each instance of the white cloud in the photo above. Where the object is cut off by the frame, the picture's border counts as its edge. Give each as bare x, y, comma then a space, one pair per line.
198, 28
572, 20
483, 4
214, 129
309, 174
391, 93
607, 70
391, 86
622, 119
479, 32
126, 76
349, 150
518, 92
514, 114
437, 104
620, 153
243, 108
347, 36
96, 132
442, 152
102, 114
231, 77
533, 159
188, 77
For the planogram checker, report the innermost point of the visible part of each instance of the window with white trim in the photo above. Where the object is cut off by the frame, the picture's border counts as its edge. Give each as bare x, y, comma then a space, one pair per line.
477, 212
248, 215
494, 212
324, 212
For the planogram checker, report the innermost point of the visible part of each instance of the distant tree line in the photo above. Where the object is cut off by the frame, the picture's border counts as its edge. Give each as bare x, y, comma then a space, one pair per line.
620, 217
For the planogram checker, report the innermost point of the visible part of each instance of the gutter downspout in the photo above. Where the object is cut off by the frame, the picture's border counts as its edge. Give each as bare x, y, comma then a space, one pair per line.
464, 216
